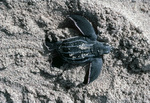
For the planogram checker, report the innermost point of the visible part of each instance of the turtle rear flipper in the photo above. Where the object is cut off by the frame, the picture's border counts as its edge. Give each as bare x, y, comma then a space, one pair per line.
84, 26
51, 46
93, 70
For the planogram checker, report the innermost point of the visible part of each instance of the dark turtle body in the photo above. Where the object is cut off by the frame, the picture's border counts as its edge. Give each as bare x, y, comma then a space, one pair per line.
82, 49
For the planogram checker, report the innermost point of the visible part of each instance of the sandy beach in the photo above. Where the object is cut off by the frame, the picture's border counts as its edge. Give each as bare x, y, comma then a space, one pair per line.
26, 72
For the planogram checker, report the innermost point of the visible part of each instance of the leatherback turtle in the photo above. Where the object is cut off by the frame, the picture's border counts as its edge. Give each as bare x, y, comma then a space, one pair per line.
82, 49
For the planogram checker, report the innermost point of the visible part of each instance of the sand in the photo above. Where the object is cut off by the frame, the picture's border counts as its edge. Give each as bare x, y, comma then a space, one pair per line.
26, 74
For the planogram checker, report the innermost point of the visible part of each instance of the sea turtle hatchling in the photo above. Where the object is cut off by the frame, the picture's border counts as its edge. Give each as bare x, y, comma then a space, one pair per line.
82, 49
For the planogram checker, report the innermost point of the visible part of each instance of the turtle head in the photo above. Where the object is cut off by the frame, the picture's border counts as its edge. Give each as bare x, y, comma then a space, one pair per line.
106, 48
101, 48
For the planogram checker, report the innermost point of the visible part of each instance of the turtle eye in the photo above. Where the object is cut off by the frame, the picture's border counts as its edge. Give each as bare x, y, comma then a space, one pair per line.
97, 48
100, 52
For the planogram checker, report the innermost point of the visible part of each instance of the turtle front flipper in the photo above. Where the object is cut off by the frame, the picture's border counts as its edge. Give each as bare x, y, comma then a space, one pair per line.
93, 70
84, 26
